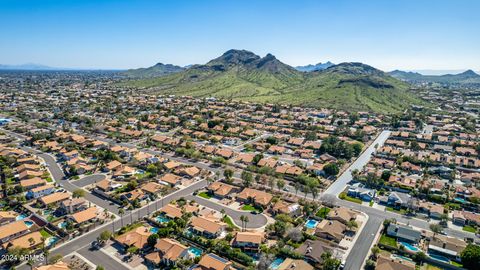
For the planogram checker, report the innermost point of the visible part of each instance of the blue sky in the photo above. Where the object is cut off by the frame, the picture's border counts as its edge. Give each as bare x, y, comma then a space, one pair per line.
387, 34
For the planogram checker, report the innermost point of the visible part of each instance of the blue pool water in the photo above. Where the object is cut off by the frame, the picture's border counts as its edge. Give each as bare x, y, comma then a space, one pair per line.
162, 219
154, 230
47, 212
51, 241
460, 200
62, 225
409, 247
195, 251
21, 217
28, 223
439, 258
311, 223
276, 263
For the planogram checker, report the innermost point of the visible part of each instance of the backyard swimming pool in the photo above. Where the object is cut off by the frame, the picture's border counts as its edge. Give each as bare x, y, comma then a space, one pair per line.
62, 225
409, 247
311, 223
154, 230
21, 217
162, 219
29, 223
196, 252
439, 258
276, 263
51, 241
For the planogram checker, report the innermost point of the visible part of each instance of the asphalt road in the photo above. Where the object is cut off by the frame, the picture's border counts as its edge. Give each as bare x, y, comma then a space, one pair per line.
84, 241
99, 258
88, 180
254, 220
339, 185
359, 251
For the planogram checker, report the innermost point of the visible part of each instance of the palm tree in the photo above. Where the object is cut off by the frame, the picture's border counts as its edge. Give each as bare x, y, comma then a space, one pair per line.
246, 220
121, 212
242, 219
30, 263
297, 187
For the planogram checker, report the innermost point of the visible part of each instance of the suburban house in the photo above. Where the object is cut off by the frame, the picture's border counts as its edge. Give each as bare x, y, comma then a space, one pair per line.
312, 250
56, 266
167, 252
137, 237
40, 191
398, 199
7, 217
221, 190
249, 195
29, 241
249, 241
212, 262
207, 227
291, 264
404, 233
84, 216
171, 179
72, 205
358, 191
53, 198
446, 246
32, 183
282, 207
331, 230
171, 211
387, 263
12, 231
342, 214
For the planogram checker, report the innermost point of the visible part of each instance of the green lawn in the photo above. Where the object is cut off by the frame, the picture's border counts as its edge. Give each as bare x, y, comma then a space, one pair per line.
391, 209
469, 228
388, 241
344, 196
323, 212
205, 195
249, 207
456, 264
45, 234
49, 179
230, 223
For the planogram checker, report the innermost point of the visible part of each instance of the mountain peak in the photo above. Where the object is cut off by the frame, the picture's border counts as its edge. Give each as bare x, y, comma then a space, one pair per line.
469, 73
354, 68
234, 57
316, 67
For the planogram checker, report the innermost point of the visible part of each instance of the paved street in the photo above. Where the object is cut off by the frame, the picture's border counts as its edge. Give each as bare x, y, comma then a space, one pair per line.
254, 220
88, 180
99, 258
341, 182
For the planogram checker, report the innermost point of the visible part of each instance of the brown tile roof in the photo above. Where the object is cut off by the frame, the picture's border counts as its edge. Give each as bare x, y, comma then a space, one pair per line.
32, 182
213, 262
85, 215
260, 197
137, 237
170, 178
24, 242
57, 266
249, 237
171, 211
205, 224
12, 228
384, 263
54, 197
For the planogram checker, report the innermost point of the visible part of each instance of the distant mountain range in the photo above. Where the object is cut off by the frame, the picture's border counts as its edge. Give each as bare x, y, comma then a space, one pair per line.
310, 68
29, 66
243, 75
157, 70
465, 79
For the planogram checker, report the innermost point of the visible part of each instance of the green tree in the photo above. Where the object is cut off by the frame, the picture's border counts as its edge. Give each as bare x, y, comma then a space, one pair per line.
471, 257
331, 169
78, 193
152, 239
228, 173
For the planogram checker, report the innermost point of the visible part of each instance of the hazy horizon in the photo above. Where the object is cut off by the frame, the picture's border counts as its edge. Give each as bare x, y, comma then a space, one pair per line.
405, 35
